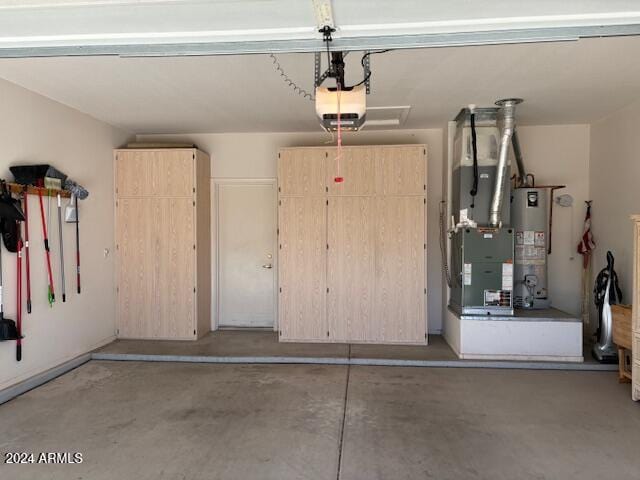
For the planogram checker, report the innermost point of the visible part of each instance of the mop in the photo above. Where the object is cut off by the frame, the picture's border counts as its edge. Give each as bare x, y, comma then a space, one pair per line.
71, 215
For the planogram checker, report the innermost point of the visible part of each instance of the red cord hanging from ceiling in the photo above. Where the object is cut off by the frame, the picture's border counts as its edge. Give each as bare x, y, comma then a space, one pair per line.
338, 178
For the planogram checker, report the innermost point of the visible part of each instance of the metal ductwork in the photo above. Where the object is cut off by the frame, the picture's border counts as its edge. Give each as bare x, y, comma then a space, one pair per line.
508, 107
523, 177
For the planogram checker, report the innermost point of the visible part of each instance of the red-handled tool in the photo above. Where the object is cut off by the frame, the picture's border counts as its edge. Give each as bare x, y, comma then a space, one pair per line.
26, 248
50, 294
75, 199
19, 299
61, 244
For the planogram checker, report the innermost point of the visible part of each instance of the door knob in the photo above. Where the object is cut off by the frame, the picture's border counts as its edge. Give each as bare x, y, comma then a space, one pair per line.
267, 265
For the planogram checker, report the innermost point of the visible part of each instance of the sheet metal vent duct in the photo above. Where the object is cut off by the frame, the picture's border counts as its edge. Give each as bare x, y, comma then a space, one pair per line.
508, 111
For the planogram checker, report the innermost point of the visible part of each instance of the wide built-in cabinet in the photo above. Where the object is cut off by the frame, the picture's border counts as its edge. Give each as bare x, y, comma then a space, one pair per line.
352, 255
163, 278
635, 326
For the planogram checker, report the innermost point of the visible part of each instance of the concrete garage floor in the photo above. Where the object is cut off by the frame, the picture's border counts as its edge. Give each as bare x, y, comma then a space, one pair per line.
264, 343
137, 420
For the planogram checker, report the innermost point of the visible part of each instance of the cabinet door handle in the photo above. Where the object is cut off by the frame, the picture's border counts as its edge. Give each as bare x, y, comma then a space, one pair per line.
267, 265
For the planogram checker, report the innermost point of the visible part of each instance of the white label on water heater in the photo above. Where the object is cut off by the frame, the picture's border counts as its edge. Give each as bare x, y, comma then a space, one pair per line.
507, 276
467, 274
464, 215
539, 239
529, 237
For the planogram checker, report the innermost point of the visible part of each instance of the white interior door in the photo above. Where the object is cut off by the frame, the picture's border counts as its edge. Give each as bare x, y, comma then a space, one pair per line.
246, 231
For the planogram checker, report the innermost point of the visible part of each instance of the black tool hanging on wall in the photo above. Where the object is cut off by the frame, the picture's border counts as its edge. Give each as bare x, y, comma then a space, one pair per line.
10, 214
8, 328
72, 215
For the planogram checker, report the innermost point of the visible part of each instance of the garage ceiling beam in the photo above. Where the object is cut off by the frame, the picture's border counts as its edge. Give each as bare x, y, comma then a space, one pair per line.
344, 44
34, 28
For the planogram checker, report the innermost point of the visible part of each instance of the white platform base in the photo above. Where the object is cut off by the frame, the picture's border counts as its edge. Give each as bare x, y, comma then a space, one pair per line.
549, 335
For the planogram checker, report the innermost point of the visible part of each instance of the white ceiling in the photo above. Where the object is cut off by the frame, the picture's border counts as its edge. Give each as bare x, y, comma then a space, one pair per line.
570, 82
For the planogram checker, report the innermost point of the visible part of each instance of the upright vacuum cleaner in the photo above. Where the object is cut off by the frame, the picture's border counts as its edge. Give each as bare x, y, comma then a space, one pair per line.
606, 293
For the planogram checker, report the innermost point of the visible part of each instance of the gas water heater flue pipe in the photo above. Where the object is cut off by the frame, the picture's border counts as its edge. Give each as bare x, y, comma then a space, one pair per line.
523, 178
508, 106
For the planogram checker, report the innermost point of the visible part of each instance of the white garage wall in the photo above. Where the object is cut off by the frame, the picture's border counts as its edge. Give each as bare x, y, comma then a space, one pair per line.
34, 129
614, 175
559, 154
254, 155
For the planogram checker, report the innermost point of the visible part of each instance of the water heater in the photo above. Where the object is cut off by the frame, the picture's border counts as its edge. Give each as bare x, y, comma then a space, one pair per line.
530, 222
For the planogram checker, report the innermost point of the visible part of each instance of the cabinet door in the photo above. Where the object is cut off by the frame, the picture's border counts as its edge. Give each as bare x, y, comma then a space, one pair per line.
133, 173
356, 166
175, 257
636, 285
155, 268
136, 269
302, 268
401, 170
174, 170
400, 271
163, 173
301, 171
351, 257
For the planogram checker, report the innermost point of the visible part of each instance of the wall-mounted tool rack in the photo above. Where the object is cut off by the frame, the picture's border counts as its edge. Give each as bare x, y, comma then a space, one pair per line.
51, 192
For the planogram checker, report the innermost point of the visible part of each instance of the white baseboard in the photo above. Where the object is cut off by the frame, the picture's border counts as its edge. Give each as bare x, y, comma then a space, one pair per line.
17, 389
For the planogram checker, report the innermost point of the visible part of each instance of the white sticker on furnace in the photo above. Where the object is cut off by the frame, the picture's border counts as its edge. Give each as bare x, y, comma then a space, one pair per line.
507, 276
467, 274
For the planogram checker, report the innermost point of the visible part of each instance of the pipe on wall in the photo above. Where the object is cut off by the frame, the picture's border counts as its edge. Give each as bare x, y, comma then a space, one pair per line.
523, 179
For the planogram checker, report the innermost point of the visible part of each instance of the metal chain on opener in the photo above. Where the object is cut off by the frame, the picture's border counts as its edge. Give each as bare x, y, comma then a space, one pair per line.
299, 90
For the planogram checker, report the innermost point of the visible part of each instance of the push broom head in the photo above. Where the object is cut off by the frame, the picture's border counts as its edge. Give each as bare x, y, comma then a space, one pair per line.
54, 178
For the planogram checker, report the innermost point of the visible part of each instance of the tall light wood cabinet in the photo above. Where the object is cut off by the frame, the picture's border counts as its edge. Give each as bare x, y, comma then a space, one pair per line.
163, 253
360, 274
635, 349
